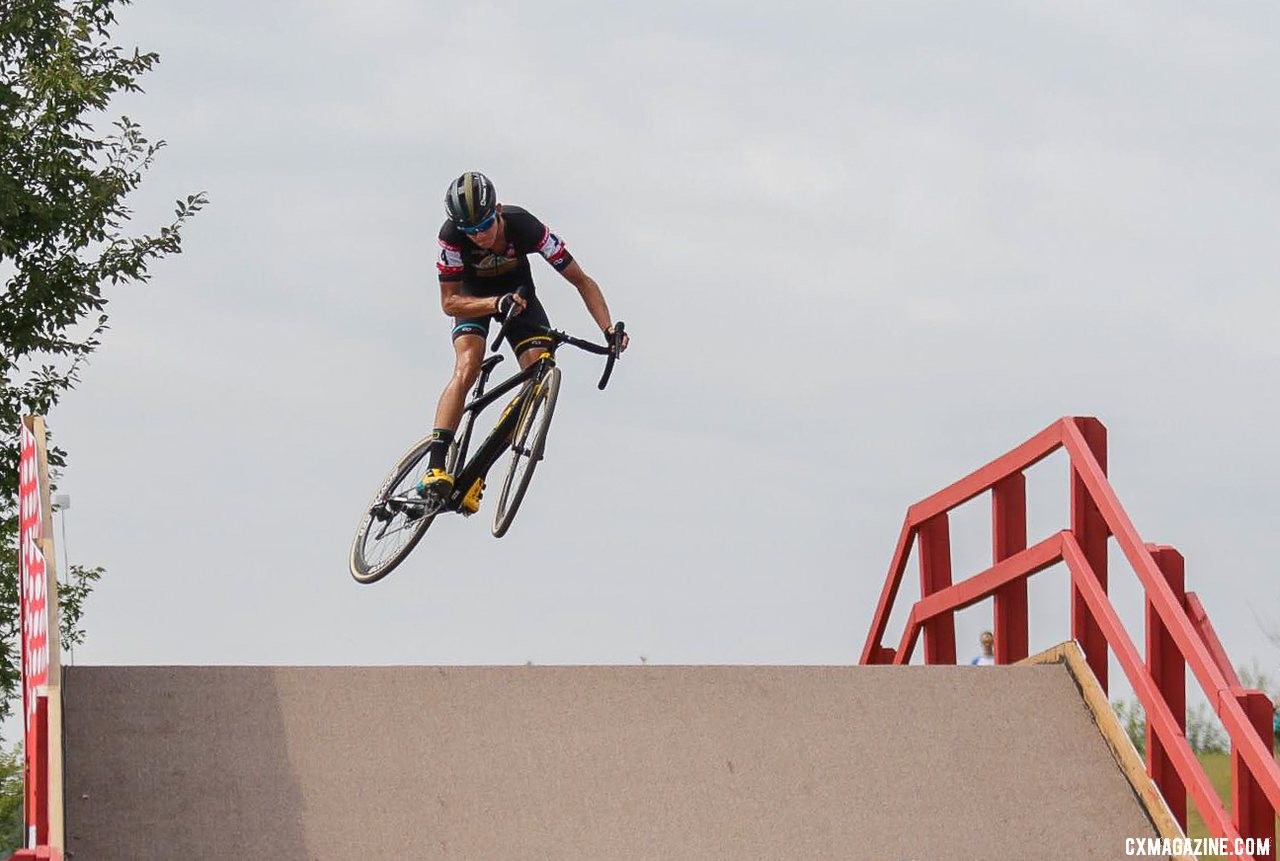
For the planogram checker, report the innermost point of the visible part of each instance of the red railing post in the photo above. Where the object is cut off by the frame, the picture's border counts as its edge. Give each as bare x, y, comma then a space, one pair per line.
1009, 536
935, 575
1253, 813
1169, 672
1090, 530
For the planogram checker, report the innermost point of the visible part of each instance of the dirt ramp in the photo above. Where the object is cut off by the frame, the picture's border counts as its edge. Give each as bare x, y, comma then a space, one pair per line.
329, 763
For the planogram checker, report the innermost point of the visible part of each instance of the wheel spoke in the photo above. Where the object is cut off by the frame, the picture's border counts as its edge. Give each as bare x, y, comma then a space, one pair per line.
394, 522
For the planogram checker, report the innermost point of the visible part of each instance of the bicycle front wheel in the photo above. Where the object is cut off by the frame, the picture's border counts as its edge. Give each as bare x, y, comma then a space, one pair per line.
528, 445
395, 520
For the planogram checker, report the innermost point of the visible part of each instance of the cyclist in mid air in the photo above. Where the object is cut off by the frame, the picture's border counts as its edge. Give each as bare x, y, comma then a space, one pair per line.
484, 250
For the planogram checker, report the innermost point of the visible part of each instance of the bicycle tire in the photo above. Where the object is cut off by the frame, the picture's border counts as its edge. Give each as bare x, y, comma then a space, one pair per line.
527, 446
363, 568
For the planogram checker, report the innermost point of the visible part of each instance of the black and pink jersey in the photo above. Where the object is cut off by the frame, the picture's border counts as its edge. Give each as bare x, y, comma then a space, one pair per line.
488, 273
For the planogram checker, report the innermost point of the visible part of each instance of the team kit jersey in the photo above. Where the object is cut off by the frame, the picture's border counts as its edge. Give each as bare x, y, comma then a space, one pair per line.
486, 273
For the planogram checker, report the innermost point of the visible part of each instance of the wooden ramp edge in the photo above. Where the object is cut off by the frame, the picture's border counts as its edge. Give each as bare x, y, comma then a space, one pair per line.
1113, 733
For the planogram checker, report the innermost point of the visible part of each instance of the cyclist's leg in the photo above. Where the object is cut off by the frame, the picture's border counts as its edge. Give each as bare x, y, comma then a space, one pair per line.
468, 350
468, 353
527, 341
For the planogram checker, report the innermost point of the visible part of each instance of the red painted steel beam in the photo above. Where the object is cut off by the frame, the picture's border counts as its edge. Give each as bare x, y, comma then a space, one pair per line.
1009, 537
935, 575
1209, 636
910, 635
1203, 665
1254, 816
872, 651
1090, 529
982, 479
1169, 671
881, 655
1158, 714
968, 592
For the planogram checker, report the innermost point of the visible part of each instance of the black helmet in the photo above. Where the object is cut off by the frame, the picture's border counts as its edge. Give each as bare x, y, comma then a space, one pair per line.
470, 199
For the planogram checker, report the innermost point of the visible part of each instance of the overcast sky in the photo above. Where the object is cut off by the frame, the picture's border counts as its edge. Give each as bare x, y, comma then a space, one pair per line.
862, 249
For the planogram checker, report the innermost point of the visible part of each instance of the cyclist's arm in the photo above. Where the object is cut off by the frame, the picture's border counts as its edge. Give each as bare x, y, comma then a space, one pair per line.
455, 304
450, 268
591, 295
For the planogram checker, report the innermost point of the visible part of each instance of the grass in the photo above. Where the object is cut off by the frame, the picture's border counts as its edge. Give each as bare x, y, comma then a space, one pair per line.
1218, 767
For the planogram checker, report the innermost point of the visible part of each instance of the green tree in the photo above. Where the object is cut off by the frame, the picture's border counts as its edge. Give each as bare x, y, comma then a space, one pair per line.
10, 798
1134, 722
1205, 733
65, 176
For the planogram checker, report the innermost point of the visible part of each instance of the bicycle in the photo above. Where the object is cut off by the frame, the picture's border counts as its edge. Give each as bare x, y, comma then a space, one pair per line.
398, 517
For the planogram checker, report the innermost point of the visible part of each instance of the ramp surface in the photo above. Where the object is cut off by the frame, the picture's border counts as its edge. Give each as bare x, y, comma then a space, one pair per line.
321, 764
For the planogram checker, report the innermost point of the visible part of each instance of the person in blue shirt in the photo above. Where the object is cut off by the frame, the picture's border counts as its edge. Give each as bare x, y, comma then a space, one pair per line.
988, 658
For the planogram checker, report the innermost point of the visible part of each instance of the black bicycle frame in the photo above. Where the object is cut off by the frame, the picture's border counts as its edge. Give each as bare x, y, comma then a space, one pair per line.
498, 439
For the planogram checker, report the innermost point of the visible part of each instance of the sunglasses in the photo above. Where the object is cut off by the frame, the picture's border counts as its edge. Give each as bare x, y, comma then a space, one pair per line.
481, 226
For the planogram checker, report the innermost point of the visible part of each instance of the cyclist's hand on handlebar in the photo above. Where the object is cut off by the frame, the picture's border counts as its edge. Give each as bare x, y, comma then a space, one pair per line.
506, 302
611, 335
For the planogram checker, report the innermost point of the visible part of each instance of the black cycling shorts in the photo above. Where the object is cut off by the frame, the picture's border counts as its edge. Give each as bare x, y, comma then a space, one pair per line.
522, 334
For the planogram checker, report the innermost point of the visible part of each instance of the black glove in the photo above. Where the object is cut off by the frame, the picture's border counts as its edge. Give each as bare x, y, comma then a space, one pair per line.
505, 303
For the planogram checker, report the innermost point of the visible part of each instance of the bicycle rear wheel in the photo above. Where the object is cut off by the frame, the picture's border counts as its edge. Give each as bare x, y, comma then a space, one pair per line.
527, 446
396, 519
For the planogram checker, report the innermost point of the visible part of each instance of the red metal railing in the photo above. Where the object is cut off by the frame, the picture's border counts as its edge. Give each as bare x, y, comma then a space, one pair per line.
1178, 632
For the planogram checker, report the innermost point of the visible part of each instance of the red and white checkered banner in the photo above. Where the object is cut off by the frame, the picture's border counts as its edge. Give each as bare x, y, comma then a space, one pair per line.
34, 604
